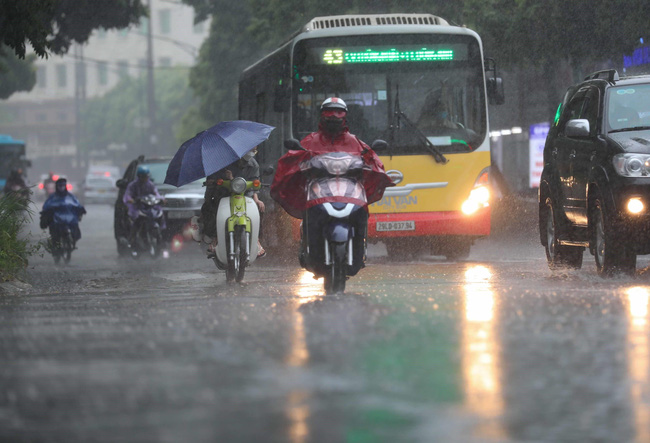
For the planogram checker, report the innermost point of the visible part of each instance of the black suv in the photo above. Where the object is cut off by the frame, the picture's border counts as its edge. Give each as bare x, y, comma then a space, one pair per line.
181, 204
595, 186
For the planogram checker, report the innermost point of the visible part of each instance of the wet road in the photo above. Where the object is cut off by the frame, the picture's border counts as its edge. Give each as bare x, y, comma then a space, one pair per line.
494, 348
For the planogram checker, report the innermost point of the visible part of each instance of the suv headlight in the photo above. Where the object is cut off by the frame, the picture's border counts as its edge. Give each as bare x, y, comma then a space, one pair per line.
632, 165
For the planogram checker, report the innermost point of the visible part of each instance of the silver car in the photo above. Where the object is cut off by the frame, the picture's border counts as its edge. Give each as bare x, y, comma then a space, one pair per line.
98, 189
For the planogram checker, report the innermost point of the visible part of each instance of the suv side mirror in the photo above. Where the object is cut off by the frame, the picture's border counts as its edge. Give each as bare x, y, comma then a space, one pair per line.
379, 145
292, 144
578, 127
122, 183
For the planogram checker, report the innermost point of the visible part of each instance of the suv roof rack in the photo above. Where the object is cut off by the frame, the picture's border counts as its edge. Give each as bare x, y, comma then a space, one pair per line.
610, 74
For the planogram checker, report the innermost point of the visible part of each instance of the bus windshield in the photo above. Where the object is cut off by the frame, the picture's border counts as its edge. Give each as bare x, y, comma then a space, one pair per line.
435, 81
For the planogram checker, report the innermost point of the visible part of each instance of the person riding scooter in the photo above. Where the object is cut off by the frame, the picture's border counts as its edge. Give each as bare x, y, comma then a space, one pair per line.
289, 185
62, 210
139, 187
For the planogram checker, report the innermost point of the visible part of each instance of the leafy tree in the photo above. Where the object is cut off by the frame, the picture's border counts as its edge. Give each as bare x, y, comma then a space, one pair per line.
120, 115
52, 26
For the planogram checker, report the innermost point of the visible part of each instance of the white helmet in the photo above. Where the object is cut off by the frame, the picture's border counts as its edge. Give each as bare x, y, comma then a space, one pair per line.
334, 103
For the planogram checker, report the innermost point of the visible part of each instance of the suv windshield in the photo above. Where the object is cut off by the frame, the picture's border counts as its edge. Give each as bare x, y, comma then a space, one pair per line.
628, 108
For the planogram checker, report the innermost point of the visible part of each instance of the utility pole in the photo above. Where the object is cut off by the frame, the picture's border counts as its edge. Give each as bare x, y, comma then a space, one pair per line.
151, 98
79, 99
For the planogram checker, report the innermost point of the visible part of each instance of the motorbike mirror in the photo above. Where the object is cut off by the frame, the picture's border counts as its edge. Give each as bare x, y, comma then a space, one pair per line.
269, 170
293, 145
379, 145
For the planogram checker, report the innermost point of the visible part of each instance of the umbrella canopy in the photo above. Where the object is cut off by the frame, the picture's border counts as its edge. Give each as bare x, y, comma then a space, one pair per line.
214, 149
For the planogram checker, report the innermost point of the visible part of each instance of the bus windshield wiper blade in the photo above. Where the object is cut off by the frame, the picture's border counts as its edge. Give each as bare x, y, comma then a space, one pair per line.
437, 155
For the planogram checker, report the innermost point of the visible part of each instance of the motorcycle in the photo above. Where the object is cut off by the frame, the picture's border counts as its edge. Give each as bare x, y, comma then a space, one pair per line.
334, 226
148, 235
63, 245
238, 225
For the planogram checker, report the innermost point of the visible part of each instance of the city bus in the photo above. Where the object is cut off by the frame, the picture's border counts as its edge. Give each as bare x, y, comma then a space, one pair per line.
412, 80
12, 156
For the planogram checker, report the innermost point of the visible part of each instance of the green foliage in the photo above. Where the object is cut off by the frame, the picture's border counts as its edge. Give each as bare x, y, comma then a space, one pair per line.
15, 74
14, 250
120, 115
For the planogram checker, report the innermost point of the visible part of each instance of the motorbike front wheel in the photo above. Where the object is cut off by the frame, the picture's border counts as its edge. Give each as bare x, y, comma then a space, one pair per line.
335, 279
153, 242
67, 245
237, 261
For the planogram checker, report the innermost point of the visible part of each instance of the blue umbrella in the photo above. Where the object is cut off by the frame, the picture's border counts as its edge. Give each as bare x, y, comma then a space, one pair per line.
214, 149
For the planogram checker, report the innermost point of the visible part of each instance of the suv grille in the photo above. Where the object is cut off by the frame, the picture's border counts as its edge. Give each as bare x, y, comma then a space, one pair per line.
340, 21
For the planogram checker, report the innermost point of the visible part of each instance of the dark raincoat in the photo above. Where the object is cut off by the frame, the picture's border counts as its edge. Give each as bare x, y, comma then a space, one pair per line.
289, 184
61, 210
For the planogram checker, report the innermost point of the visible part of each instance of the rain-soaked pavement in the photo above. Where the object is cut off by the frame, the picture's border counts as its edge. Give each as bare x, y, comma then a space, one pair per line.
495, 348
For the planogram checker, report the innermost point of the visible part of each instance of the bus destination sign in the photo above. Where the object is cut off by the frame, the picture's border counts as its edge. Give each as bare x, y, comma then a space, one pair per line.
341, 56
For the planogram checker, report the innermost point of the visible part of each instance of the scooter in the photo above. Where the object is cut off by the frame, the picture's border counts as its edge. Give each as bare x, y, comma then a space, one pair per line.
62, 245
334, 227
238, 226
148, 236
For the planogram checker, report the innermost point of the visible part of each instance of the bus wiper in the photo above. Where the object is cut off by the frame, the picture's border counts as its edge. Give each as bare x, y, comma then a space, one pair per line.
437, 155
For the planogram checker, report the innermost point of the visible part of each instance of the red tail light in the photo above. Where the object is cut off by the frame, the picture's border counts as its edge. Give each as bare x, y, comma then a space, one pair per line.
68, 187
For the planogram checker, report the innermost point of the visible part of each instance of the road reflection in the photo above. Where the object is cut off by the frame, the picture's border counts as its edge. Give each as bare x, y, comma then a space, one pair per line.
481, 352
297, 406
637, 338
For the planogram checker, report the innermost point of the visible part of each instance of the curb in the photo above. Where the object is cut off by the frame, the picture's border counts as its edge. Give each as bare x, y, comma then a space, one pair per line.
14, 287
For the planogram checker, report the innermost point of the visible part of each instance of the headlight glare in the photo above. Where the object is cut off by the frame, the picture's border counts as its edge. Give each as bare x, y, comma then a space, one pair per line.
479, 197
632, 165
635, 205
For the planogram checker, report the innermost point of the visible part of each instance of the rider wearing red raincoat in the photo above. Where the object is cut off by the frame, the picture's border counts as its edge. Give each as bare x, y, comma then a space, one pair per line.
333, 135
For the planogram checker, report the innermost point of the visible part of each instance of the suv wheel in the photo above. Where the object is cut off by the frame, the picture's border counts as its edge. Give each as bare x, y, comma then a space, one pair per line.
610, 257
558, 256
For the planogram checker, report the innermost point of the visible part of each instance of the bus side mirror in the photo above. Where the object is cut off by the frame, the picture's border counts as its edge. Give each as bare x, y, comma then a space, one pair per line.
293, 145
496, 96
379, 145
281, 98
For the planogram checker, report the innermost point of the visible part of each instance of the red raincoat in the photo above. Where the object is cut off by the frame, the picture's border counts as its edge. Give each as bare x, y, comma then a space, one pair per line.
289, 184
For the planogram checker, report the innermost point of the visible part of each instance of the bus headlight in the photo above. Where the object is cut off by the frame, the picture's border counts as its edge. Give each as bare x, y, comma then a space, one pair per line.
635, 205
479, 197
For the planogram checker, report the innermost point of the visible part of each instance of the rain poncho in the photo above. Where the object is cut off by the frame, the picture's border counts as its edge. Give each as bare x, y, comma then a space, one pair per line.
289, 184
137, 189
61, 210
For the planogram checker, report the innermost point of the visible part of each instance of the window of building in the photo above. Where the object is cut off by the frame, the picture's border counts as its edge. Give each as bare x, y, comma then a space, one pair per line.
64, 137
41, 117
102, 73
165, 62
165, 21
61, 76
41, 76
62, 116
122, 68
144, 25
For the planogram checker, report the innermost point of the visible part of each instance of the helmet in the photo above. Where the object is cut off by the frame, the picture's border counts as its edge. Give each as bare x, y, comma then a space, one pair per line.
334, 103
61, 186
143, 171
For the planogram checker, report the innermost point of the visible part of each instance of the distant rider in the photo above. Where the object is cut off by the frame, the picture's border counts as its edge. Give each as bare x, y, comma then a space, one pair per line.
61, 210
139, 187
16, 182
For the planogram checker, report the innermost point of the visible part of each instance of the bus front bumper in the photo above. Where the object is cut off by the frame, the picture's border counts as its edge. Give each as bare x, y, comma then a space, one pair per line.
416, 224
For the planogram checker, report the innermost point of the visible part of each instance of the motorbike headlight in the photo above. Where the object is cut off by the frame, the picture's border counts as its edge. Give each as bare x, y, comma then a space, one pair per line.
632, 165
238, 185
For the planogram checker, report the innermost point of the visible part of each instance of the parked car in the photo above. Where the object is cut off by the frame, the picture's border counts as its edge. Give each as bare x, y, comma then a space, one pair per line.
98, 189
595, 186
180, 204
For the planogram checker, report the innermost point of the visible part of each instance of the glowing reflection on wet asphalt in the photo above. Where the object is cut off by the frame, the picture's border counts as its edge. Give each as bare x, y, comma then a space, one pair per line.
638, 363
480, 352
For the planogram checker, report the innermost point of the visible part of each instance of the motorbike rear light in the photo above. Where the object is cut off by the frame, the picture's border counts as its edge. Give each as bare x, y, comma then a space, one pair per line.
41, 186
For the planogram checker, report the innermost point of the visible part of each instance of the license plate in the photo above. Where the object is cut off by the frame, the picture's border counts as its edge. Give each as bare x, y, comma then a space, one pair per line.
180, 214
408, 225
